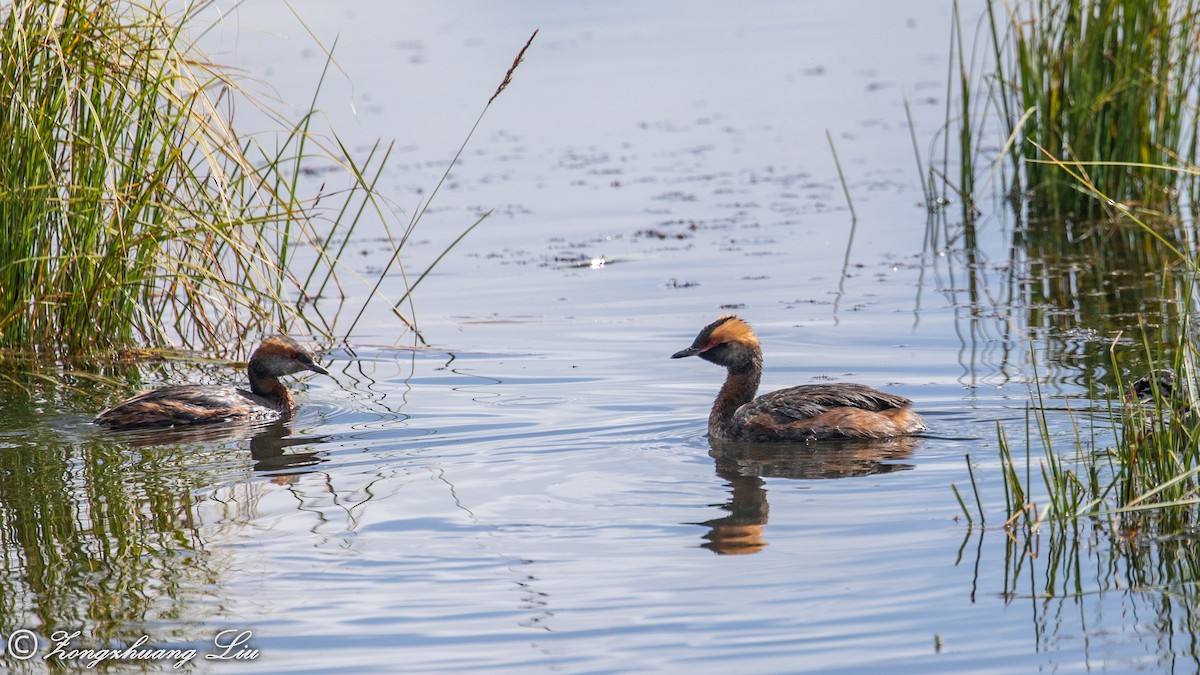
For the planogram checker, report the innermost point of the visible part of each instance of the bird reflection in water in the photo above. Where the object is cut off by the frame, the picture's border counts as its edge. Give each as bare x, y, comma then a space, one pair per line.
270, 443
745, 465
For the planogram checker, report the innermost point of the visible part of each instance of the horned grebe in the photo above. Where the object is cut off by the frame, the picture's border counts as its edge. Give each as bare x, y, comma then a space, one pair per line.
806, 412
195, 404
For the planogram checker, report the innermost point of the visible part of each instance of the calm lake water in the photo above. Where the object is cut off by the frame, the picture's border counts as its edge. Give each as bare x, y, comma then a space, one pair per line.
527, 486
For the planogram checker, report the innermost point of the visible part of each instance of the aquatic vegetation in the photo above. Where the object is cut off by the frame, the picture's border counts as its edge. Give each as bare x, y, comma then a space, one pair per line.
1146, 481
1105, 86
136, 213
1085, 520
131, 205
1077, 126
1087, 111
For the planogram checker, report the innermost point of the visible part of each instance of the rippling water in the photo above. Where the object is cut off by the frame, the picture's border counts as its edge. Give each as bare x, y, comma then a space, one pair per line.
530, 487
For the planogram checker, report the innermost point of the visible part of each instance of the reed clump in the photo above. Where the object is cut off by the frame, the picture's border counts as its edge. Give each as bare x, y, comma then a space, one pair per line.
1148, 476
134, 213
132, 210
130, 207
1111, 86
1107, 86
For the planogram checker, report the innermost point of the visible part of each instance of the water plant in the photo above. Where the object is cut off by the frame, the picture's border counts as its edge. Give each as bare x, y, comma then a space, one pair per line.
1147, 476
129, 205
1091, 104
1082, 135
133, 212
1109, 86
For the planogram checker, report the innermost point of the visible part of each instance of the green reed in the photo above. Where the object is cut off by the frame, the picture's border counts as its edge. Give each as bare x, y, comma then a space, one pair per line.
125, 198
134, 212
1109, 86
1149, 474
1096, 102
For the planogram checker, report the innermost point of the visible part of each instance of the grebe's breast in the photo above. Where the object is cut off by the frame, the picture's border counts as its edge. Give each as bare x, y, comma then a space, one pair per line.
824, 411
190, 404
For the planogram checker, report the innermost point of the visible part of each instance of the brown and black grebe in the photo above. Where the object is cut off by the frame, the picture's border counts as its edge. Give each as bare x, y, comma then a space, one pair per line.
267, 398
806, 412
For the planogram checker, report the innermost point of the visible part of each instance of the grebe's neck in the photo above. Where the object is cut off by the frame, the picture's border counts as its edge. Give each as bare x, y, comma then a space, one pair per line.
271, 388
741, 384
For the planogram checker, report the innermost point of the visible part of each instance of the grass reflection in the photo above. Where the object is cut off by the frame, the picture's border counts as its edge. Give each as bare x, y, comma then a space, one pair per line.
97, 540
1080, 578
101, 531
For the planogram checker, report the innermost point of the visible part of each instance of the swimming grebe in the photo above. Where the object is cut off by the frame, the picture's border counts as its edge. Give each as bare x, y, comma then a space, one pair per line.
195, 404
806, 412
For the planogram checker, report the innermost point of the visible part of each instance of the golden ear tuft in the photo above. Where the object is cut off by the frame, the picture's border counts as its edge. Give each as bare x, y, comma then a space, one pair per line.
730, 328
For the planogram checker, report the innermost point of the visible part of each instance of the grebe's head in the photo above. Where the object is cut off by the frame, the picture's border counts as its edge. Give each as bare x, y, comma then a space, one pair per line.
728, 342
281, 355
